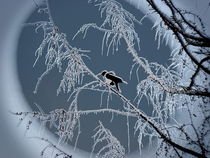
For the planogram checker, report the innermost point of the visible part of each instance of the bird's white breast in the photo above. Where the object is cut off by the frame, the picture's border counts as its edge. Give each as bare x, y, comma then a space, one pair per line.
108, 81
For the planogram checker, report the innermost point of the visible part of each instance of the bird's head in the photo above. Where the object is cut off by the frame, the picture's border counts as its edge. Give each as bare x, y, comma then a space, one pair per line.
103, 73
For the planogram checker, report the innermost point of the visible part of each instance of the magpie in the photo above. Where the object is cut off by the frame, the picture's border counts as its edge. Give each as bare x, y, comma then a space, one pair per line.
112, 79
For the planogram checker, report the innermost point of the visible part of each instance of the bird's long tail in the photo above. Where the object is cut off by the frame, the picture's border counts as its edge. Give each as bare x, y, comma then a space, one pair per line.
125, 82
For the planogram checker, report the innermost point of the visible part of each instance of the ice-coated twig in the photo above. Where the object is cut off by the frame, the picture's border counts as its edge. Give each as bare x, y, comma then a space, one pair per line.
58, 51
64, 122
112, 147
55, 150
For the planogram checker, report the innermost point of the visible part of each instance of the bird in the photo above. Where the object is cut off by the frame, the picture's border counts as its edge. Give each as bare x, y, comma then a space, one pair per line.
112, 79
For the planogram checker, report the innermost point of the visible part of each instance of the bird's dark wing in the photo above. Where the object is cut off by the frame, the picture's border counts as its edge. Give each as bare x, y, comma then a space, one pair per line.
114, 78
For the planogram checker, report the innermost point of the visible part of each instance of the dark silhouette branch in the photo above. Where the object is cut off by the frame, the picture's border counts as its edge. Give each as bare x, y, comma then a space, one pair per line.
179, 32
196, 71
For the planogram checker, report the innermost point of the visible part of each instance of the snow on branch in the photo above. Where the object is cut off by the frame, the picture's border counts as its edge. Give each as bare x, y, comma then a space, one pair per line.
119, 21
188, 30
59, 51
144, 129
74, 72
52, 149
112, 149
155, 93
64, 122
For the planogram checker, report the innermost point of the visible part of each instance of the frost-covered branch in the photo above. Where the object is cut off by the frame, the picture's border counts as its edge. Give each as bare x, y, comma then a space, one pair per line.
58, 51
119, 30
112, 147
64, 122
184, 29
55, 150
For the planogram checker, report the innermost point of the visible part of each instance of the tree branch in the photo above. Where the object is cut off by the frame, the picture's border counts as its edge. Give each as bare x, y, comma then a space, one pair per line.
148, 70
176, 32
